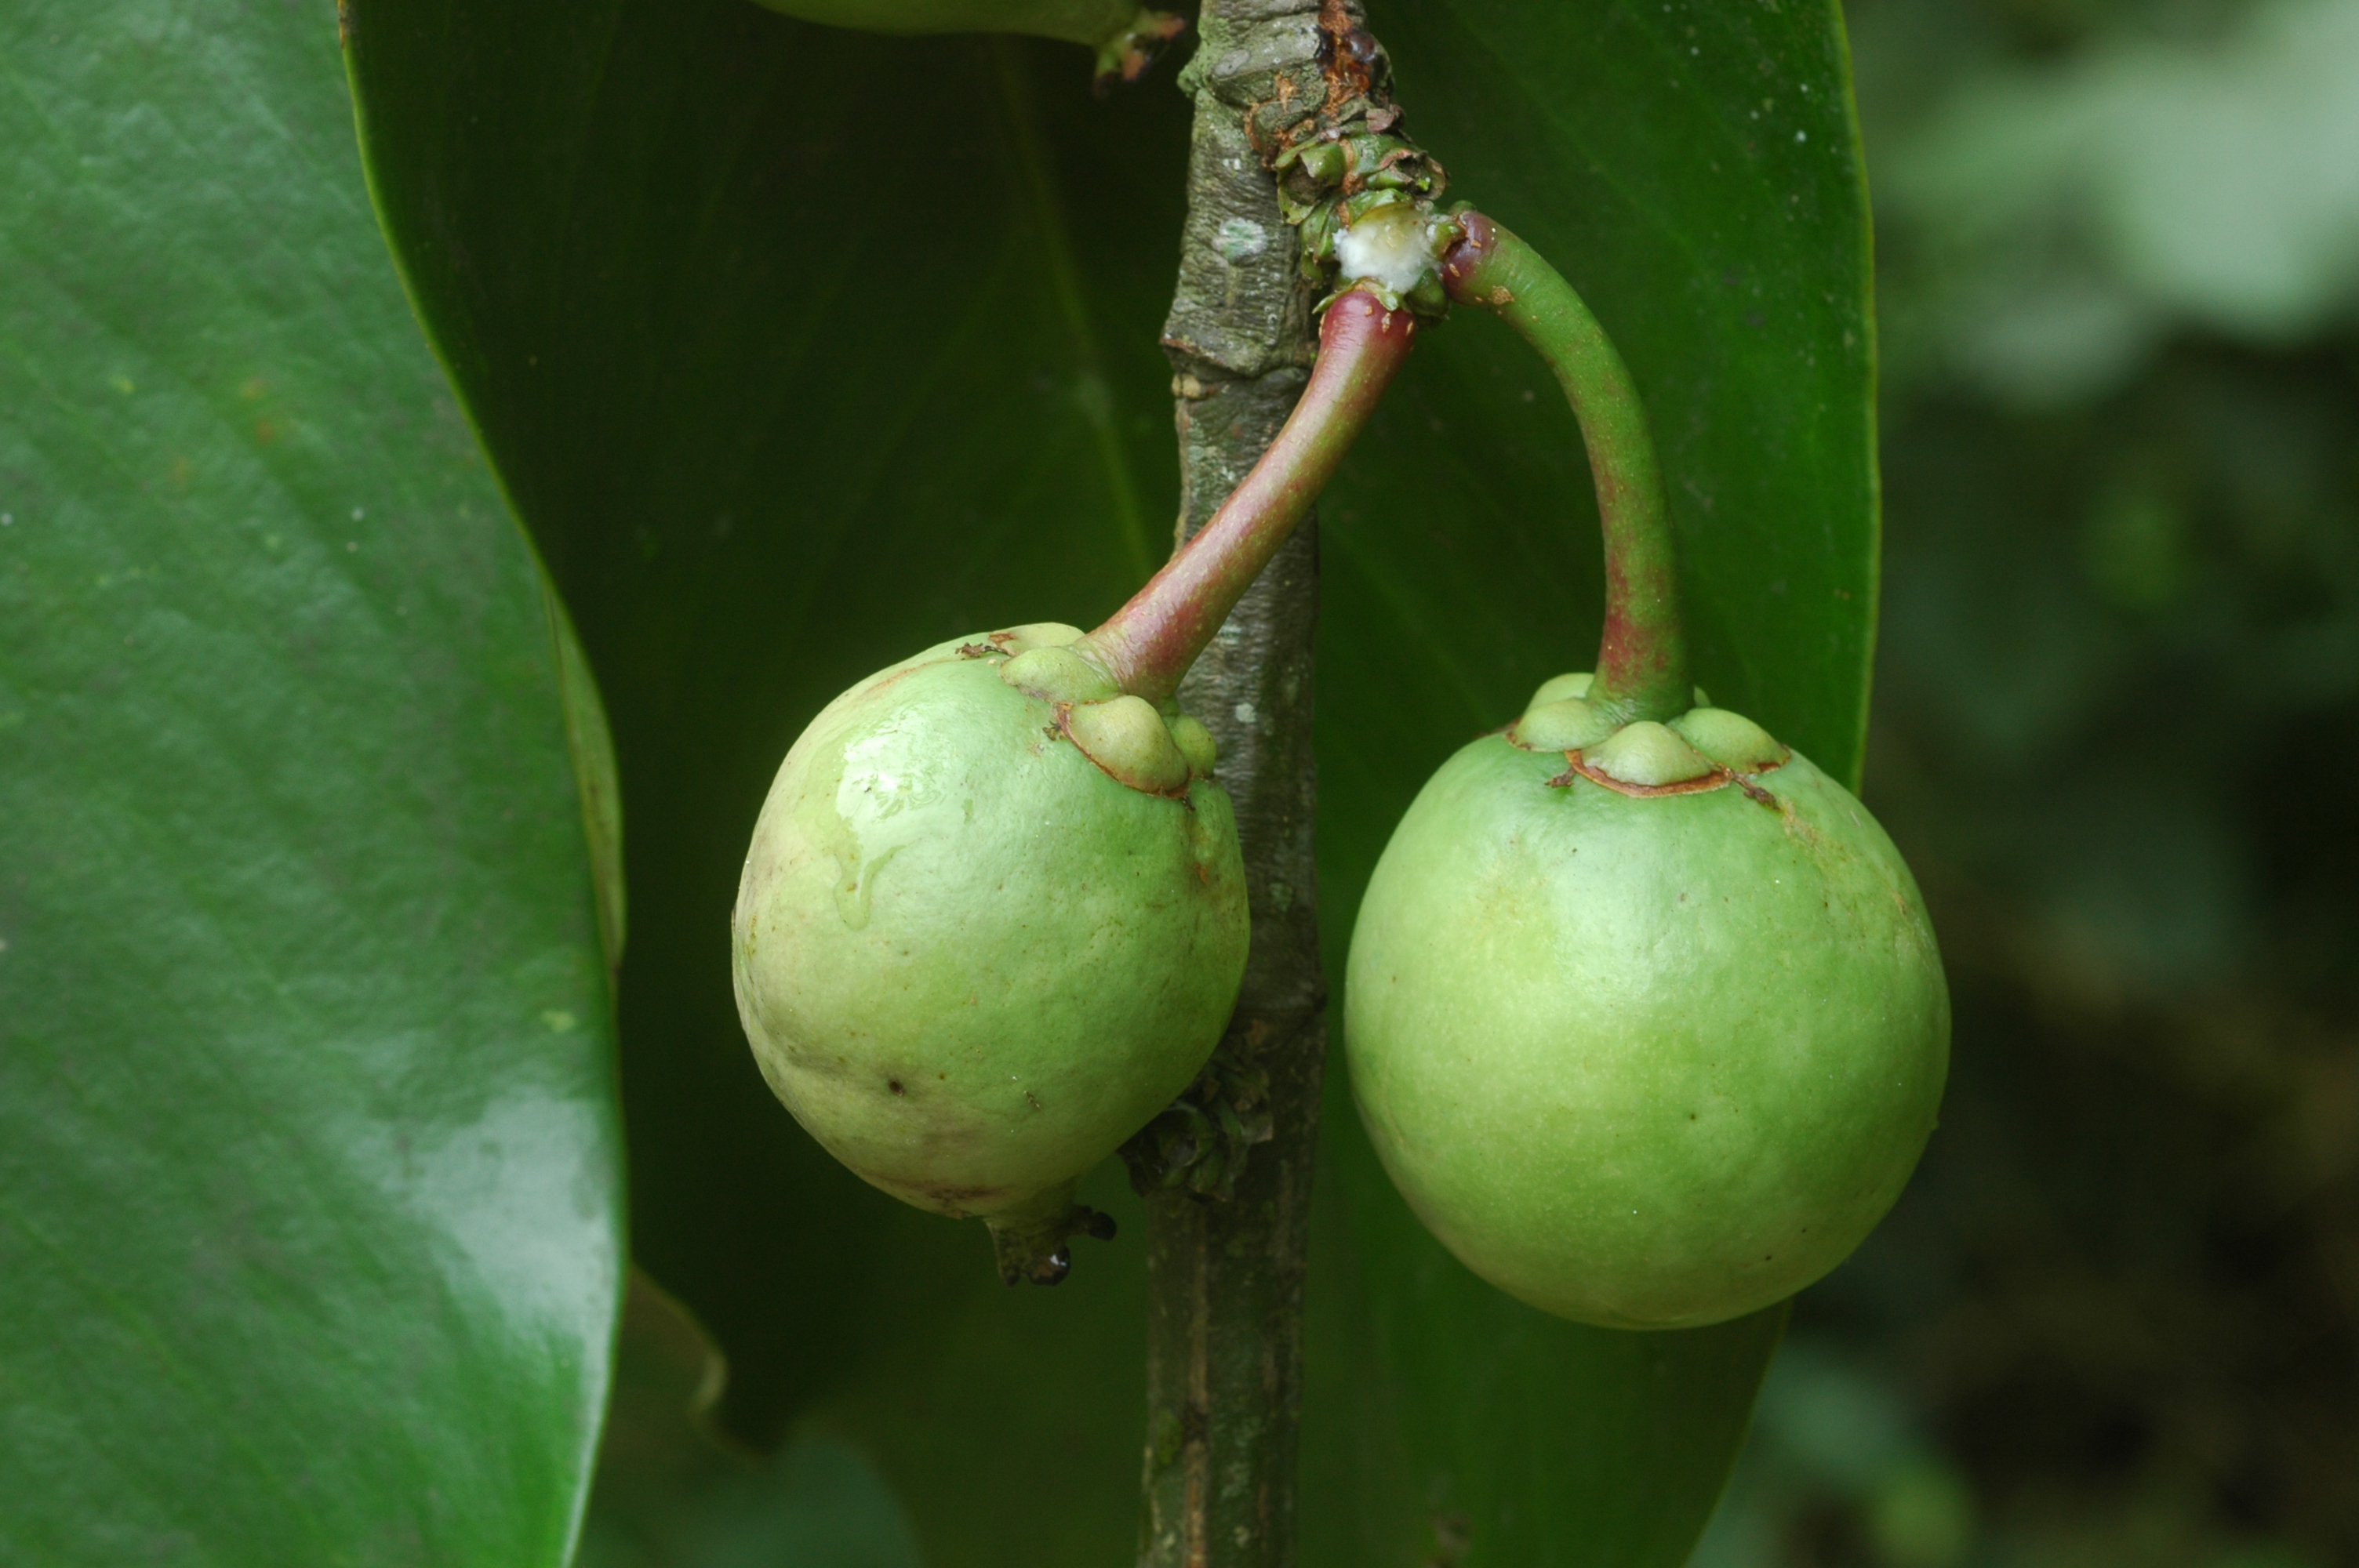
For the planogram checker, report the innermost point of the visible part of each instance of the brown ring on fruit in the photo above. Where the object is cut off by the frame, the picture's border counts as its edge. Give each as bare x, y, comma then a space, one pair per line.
1720, 778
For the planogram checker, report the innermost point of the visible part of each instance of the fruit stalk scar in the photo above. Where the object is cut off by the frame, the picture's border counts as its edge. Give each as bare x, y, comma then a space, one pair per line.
1148, 645
1642, 659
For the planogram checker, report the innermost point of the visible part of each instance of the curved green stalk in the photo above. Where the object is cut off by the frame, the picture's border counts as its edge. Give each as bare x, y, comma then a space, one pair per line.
1642, 659
1149, 643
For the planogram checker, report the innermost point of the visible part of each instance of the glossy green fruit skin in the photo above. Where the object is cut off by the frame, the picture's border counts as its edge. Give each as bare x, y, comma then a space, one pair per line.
968, 961
1644, 1062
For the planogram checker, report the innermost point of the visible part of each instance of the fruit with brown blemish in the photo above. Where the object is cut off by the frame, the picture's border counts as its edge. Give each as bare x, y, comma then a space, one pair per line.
983, 935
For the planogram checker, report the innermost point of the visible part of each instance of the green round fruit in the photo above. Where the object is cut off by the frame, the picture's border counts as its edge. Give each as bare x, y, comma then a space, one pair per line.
1077, 21
1651, 1033
991, 921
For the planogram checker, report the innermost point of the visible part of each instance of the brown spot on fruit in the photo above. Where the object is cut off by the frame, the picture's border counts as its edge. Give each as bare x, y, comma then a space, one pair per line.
895, 1084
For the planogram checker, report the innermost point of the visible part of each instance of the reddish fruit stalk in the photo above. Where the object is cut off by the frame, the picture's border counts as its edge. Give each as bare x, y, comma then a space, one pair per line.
1149, 643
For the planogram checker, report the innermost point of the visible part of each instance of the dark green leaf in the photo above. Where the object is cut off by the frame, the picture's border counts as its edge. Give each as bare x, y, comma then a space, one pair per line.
309, 1180
672, 1493
801, 350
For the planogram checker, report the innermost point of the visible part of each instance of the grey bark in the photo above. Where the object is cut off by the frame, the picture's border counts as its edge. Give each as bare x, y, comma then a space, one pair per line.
1224, 1352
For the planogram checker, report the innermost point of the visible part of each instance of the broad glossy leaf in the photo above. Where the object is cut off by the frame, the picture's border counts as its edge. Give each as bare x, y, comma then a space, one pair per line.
797, 355
799, 349
310, 1185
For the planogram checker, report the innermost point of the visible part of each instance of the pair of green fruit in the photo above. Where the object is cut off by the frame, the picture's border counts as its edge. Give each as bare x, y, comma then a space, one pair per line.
1642, 1011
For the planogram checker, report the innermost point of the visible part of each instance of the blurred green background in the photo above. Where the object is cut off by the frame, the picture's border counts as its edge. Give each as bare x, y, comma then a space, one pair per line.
2116, 1320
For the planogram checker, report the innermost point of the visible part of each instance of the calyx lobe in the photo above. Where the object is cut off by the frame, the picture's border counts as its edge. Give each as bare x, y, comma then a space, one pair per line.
1704, 748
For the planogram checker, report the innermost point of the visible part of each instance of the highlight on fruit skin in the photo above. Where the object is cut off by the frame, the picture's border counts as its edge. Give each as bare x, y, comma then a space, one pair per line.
1650, 1033
984, 934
